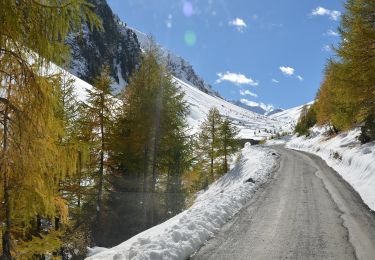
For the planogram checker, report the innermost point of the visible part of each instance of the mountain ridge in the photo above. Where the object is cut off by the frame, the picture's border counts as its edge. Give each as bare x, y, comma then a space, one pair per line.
259, 109
120, 47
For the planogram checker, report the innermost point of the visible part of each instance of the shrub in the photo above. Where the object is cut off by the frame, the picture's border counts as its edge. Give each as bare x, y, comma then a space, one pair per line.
337, 156
368, 130
306, 121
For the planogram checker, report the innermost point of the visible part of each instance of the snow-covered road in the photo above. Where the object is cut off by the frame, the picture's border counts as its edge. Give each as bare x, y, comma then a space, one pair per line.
306, 211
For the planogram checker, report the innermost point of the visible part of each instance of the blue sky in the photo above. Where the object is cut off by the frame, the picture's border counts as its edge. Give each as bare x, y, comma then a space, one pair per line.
268, 51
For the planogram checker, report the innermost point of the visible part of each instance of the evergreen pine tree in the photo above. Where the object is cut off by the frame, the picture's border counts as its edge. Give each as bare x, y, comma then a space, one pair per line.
41, 27
100, 111
151, 149
229, 142
209, 144
33, 162
346, 97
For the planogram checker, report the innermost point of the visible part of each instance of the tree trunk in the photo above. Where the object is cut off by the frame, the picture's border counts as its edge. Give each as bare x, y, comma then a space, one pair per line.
57, 223
6, 230
101, 167
212, 149
79, 171
6, 234
225, 154
145, 185
156, 139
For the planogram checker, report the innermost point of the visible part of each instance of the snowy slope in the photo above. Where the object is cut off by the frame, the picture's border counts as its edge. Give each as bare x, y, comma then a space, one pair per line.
80, 86
182, 235
250, 123
259, 108
290, 115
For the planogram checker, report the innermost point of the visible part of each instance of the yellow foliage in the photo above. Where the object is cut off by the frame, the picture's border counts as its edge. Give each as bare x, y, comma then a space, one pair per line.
61, 209
38, 245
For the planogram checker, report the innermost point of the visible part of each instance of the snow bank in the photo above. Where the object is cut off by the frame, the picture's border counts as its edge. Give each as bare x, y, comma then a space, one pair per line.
353, 161
182, 235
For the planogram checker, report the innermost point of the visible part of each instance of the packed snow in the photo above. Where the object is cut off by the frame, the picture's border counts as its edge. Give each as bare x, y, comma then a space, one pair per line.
344, 153
182, 235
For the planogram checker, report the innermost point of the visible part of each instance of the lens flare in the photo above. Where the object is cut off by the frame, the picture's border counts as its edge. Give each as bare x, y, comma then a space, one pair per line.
190, 38
188, 9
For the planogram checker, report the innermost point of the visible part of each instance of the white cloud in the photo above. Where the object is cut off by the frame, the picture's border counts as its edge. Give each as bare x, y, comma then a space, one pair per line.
300, 77
248, 93
288, 71
275, 81
169, 20
256, 104
331, 32
321, 11
236, 78
239, 23
326, 48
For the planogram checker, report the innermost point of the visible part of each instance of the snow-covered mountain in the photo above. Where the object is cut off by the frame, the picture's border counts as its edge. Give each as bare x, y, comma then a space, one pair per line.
274, 111
252, 125
290, 115
116, 46
119, 47
177, 65
258, 108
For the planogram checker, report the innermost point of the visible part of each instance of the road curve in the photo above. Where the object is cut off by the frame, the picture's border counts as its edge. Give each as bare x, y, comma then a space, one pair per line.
305, 211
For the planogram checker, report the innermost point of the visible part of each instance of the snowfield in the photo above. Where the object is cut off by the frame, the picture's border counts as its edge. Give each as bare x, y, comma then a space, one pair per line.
182, 235
251, 124
344, 153
289, 116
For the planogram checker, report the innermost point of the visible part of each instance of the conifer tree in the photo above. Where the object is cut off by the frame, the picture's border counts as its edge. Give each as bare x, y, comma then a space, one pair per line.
141, 123
209, 143
100, 111
32, 161
229, 142
150, 146
77, 138
32, 157
346, 97
357, 52
41, 26
306, 120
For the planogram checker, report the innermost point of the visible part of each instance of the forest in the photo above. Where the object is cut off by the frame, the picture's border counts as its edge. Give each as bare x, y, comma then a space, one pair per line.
346, 98
71, 171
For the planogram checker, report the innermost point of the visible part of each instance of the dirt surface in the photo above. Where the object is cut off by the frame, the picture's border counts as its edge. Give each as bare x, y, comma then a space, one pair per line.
305, 211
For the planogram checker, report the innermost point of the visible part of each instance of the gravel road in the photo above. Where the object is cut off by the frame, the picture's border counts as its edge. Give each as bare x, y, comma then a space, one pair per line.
305, 211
